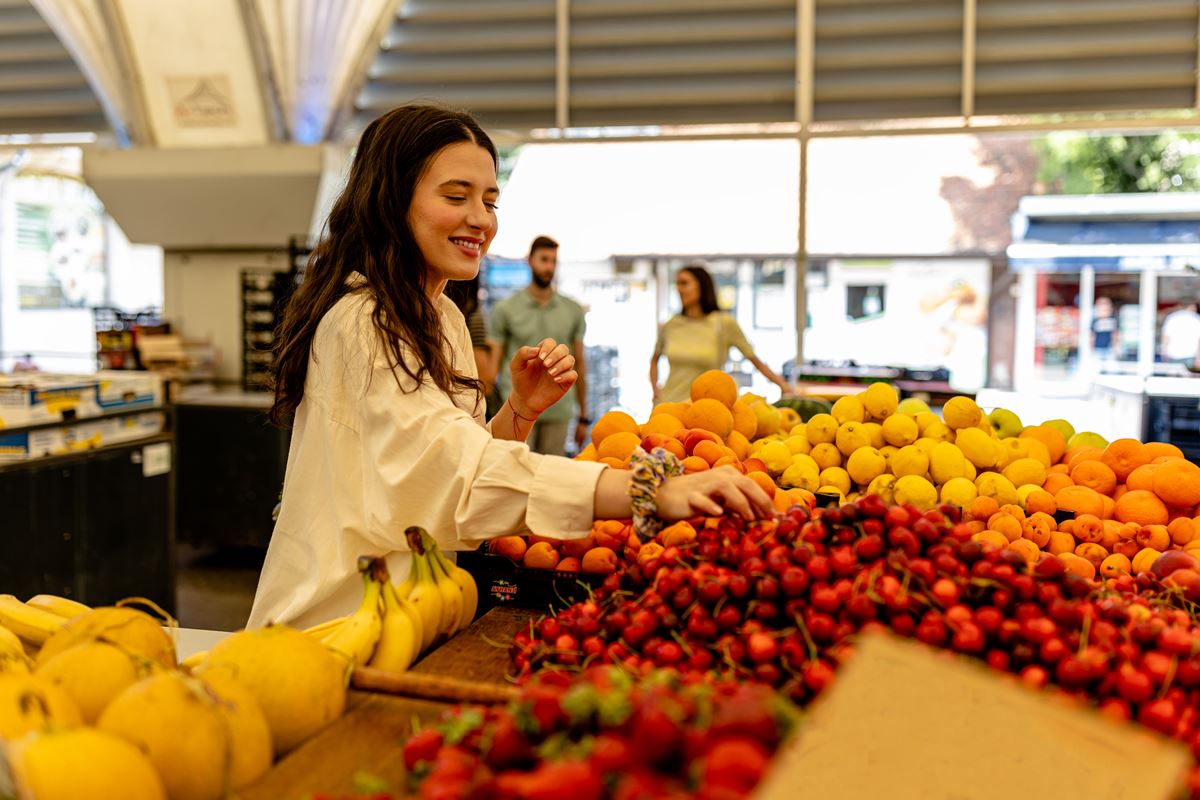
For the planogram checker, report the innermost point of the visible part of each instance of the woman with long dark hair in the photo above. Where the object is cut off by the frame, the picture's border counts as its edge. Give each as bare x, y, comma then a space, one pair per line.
374, 364
698, 339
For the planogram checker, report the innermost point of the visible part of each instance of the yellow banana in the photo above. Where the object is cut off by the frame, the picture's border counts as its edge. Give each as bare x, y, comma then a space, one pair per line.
466, 583
12, 653
32, 625
426, 598
452, 593
322, 630
399, 642
60, 606
355, 639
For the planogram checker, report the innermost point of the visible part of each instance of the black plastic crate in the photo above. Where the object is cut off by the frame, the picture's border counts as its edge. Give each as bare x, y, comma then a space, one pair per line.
503, 583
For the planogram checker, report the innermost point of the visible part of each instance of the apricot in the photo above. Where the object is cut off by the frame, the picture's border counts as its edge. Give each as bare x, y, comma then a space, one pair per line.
575, 548
568, 565
600, 560
512, 547
541, 556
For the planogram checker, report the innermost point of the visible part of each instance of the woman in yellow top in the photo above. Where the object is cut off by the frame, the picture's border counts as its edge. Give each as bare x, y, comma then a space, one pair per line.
699, 338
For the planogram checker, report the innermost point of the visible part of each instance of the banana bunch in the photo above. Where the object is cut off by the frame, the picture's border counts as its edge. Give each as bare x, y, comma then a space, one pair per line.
34, 624
394, 625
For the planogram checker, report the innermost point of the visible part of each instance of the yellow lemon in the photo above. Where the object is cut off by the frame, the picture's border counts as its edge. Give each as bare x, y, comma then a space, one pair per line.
797, 444
826, 455
851, 436
997, 487
874, 434
836, 476
801, 476
910, 460
925, 445
768, 420
848, 409
1010, 450
969, 470
776, 456
912, 405
880, 400
916, 490
924, 419
959, 491
841, 497
799, 430
788, 418
1039, 451
939, 432
946, 462
883, 486
865, 465
961, 412
979, 448
887, 451
900, 429
1025, 471
1024, 491
821, 428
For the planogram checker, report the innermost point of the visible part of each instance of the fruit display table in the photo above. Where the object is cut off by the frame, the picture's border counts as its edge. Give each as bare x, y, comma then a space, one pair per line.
366, 740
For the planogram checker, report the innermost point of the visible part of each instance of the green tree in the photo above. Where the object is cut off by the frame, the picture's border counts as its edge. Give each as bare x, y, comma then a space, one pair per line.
1075, 163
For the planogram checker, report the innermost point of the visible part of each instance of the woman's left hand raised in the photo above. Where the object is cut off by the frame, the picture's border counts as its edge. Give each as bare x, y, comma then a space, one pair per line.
541, 375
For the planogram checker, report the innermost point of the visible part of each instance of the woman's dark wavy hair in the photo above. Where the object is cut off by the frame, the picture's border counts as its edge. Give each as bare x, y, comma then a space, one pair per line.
368, 232
708, 289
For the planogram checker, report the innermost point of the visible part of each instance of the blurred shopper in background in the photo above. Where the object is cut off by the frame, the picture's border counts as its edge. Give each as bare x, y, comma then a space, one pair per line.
698, 339
465, 295
1105, 329
1181, 335
526, 318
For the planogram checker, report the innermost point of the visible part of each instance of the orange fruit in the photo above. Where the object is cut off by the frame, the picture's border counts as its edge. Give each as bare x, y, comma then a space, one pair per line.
1142, 507
1059, 468
1005, 524
675, 448
1095, 475
1157, 449
1038, 528
615, 463
694, 464
1060, 542
1077, 565
1123, 456
1079, 499
1088, 528
1109, 504
715, 385
782, 501
738, 443
618, 445
1013, 510
1054, 441
612, 422
764, 480
1040, 500
541, 556
676, 410
745, 421
1182, 530
982, 507
1115, 566
1092, 552
1142, 478
731, 461
666, 424
709, 415
1056, 481
1081, 452
1026, 548
709, 451
1177, 482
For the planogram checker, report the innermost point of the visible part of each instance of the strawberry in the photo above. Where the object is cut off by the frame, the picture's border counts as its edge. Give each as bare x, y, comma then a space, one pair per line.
505, 746
610, 753
655, 736
567, 779
422, 747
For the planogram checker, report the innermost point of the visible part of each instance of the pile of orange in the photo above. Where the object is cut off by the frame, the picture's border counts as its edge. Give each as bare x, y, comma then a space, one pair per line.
1125, 505
713, 430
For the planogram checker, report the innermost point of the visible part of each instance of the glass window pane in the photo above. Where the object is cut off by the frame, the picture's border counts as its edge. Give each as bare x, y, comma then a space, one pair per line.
1056, 335
1178, 323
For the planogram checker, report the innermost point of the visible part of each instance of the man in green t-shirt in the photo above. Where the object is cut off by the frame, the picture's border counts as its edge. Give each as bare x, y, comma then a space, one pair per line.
526, 318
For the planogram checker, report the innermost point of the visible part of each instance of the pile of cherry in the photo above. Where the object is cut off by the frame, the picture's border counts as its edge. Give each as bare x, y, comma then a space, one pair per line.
779, 603
605, 734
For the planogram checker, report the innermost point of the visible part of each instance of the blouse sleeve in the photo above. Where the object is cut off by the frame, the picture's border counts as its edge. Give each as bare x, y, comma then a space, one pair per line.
735, 337
425, 461
660, 344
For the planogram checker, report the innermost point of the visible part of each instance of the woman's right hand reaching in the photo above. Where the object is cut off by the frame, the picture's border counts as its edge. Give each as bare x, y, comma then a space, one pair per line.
711, 493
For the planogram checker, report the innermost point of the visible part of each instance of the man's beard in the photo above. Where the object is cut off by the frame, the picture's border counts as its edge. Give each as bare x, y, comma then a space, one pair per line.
542, 281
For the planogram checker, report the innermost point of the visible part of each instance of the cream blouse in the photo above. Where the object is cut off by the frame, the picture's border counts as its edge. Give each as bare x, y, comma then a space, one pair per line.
371, 456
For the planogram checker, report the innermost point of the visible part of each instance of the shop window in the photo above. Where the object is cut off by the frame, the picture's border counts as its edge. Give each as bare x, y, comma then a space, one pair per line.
1177, 326
865, 302
1115, 318
1056, 335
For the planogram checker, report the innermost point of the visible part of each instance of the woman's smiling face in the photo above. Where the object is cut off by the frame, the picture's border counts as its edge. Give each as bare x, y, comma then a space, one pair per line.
453, 213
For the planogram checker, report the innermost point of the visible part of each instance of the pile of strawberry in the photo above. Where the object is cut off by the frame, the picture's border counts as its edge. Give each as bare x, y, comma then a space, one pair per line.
779, 602
605, 734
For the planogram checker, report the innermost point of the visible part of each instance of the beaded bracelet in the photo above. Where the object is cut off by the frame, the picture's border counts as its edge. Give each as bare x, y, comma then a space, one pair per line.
649, 472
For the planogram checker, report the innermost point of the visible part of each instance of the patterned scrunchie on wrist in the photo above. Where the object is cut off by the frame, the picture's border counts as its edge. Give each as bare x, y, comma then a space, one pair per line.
649, 472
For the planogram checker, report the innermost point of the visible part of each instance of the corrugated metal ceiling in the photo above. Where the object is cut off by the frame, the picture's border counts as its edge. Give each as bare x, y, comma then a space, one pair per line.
41, 88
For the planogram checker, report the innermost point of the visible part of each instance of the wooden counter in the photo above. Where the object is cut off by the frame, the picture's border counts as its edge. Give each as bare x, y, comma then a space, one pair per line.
366, 740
